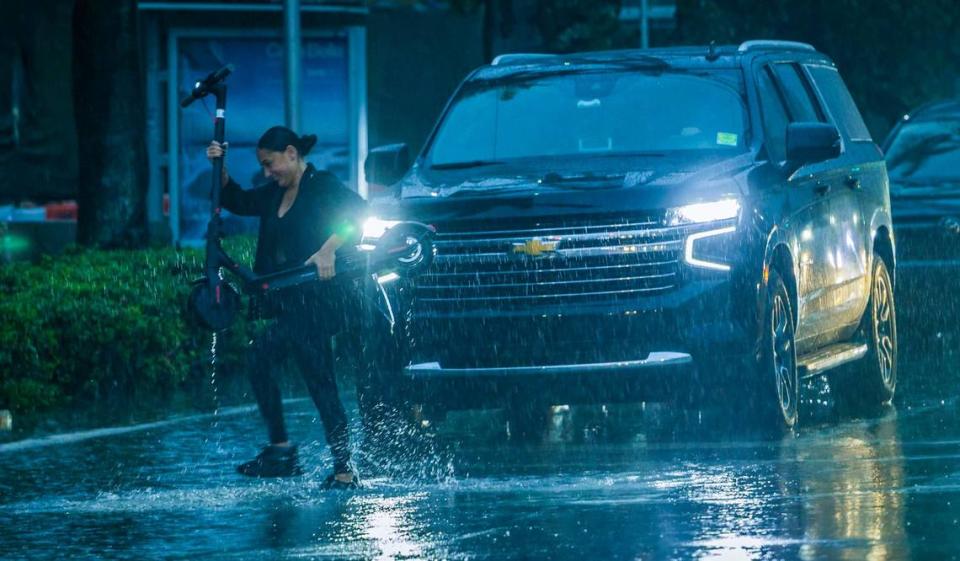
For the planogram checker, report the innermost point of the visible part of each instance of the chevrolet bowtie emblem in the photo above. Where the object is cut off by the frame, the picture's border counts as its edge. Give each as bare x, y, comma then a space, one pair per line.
535, 247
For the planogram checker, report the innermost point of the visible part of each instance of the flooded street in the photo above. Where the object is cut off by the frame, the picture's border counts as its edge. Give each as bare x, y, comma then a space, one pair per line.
634, 482
574, 280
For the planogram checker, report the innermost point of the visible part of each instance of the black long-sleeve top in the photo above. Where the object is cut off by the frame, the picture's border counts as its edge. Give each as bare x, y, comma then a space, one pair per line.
323, 207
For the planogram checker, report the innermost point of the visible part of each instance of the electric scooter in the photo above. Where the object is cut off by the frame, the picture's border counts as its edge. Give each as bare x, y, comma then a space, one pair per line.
404, 249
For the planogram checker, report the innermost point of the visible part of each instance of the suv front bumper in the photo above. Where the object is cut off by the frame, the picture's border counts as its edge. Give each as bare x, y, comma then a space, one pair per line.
645, 348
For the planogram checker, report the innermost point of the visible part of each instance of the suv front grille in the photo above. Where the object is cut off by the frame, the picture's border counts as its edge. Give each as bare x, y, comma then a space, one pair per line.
491, 265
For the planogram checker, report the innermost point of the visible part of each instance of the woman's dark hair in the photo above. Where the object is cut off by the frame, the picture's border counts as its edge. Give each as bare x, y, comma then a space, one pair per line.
276, 139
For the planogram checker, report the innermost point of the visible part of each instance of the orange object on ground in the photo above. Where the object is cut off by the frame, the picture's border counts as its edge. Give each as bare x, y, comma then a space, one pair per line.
64, 210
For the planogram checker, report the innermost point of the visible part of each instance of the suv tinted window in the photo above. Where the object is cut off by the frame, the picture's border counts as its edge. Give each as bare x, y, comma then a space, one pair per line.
797, 93
588, 113
774, 117
839, 102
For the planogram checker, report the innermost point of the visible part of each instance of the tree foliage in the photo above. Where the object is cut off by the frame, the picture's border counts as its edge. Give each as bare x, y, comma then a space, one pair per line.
894, 55
93, 325
579, 25
562, 25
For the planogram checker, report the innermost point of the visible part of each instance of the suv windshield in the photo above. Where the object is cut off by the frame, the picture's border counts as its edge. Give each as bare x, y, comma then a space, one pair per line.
588, 113
926, 151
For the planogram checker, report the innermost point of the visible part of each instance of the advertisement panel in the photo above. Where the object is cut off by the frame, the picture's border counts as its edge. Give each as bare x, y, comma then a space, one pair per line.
255, 102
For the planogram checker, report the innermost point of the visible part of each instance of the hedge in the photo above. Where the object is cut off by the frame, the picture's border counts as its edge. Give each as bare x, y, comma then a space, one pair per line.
89, 324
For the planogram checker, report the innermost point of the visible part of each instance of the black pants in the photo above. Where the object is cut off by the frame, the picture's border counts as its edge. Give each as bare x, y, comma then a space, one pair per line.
309, 343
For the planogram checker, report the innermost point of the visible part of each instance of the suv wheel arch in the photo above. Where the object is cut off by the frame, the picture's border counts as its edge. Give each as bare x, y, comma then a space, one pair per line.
883, 248
779, 258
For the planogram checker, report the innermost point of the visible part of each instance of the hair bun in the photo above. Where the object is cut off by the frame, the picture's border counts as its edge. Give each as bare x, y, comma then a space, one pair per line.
307, 142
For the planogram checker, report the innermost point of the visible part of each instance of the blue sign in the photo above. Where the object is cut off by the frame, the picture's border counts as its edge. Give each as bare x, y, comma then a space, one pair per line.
255, 102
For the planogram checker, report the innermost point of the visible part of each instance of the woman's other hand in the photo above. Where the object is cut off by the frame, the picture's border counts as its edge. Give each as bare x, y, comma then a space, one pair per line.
217, 150
324, 261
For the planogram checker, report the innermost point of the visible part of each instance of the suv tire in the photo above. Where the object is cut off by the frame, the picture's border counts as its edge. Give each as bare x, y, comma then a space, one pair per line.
774, 377
527, 420
870, 382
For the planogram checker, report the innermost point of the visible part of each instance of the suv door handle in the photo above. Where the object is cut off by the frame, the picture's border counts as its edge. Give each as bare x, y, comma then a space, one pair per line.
852, 181
822, 188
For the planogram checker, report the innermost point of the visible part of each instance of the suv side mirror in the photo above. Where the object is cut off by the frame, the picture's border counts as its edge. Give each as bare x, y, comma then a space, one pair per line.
812, 142
385, 165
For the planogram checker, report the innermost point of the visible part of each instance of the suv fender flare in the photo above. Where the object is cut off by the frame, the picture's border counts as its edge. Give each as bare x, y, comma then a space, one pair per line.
777, 254
881, 225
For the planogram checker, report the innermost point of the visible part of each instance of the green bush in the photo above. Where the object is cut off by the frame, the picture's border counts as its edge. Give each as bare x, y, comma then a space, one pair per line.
90, 324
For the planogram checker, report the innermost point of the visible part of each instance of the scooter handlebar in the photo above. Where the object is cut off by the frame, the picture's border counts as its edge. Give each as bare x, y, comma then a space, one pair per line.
218, 76
350, 265
404, 249
202, 87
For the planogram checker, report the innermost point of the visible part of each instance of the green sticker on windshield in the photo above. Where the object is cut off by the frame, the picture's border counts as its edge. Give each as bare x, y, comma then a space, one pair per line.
726, 139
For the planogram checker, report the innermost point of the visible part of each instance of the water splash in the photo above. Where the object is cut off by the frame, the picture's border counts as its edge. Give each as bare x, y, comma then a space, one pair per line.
407, 452
215, 423
213, 378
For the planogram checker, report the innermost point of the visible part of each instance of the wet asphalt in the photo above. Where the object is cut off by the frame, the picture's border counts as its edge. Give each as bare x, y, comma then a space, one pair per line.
628, 482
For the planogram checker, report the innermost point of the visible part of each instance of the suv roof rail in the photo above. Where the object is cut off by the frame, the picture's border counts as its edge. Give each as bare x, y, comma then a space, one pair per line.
760, 44
514, 58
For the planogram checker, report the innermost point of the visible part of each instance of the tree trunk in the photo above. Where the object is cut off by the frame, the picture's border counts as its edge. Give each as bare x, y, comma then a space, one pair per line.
488, 22
38, 142
109, 103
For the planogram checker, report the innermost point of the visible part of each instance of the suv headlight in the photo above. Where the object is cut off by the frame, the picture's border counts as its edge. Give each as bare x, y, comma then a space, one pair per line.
373, 230
708, 249
707, 212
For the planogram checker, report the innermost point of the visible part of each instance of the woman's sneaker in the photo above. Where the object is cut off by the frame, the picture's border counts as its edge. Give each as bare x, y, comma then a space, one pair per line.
332, 483
273, 461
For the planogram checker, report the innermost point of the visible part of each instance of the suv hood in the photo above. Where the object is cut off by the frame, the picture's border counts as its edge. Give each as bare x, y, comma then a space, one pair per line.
660, 184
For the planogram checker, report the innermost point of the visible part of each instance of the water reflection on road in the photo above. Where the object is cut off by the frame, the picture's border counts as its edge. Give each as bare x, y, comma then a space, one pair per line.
640, 482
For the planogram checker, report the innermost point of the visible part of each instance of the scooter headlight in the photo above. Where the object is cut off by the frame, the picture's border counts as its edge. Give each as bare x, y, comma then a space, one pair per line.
374, 229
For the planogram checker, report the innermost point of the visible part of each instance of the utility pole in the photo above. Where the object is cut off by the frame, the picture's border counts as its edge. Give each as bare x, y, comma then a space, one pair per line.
644, 25
292, 62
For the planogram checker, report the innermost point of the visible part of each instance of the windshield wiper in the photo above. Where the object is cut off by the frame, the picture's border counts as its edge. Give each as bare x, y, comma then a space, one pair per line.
461, 191
627, 154
579, 181
466, 165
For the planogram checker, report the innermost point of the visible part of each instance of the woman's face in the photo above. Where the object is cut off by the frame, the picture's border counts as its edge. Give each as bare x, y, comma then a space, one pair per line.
279, 166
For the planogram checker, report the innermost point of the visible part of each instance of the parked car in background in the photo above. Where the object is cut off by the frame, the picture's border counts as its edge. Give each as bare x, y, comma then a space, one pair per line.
621, 226
923, 161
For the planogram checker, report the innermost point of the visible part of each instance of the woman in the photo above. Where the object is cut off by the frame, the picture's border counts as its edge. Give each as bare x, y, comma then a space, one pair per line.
305, 215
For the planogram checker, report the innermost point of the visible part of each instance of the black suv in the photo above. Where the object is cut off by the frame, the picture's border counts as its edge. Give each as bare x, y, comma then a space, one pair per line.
923, 159
633, 225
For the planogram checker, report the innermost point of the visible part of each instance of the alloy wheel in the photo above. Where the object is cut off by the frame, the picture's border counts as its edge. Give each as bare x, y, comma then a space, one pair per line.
784, 358
884, 328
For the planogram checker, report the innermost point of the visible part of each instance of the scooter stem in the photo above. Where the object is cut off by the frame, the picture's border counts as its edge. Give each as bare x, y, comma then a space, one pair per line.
215, 225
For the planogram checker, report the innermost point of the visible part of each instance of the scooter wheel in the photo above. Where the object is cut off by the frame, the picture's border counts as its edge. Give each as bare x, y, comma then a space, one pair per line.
211, 312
